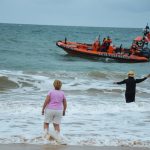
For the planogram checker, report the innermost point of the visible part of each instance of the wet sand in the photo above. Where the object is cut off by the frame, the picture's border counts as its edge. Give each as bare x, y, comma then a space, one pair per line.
63, 147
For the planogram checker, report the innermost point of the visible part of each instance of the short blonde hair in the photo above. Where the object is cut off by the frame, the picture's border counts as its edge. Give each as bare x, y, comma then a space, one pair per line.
57, 84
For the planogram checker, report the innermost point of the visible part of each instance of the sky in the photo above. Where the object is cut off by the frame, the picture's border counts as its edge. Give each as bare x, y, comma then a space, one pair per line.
93, 13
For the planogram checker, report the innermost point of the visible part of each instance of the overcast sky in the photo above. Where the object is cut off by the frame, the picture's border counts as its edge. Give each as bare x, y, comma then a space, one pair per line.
97, 13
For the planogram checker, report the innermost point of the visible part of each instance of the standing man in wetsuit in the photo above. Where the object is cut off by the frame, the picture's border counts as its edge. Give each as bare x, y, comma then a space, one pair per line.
131, 86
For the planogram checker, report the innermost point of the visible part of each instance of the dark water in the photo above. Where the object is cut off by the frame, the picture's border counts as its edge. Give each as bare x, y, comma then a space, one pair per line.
97, 113
33, 48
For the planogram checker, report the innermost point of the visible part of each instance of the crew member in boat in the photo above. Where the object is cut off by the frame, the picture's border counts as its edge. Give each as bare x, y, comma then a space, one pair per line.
145, 41
146, 30
96, 45
106, 43
134, 49
109, 41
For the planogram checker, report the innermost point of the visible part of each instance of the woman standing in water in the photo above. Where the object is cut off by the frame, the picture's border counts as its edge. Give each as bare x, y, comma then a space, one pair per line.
131, 86
54, 107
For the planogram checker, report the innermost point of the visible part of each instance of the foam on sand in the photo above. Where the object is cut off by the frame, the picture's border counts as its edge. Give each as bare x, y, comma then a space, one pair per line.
62, 147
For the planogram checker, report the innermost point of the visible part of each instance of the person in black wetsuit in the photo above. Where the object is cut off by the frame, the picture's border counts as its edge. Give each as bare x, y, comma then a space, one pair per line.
131, 86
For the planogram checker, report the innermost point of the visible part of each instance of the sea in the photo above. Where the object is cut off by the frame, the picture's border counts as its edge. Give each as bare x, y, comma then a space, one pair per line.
97, 113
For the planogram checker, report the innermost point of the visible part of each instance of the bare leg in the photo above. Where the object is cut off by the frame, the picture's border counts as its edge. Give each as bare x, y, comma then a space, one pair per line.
58, 136
56, 127
46, 127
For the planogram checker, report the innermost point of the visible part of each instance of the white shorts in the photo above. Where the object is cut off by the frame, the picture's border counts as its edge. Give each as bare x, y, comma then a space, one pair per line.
52, 115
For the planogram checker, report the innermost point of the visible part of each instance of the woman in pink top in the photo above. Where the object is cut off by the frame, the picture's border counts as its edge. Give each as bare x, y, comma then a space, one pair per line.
54, 107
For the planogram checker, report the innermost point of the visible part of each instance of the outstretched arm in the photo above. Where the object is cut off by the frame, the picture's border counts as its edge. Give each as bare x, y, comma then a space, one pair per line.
47, 100
121, 82
140, 80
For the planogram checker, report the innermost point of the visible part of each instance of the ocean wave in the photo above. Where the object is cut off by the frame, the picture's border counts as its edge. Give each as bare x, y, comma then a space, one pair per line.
5, 83
68, 74
89, 82
79, 74
17, 79
97, 74
106, 75
95, 91
105, 90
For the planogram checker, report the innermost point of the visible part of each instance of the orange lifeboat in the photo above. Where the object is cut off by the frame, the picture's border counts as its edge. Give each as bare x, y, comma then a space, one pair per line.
95, 51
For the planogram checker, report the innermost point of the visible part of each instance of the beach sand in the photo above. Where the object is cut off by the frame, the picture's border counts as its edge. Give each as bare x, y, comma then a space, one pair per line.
62, 147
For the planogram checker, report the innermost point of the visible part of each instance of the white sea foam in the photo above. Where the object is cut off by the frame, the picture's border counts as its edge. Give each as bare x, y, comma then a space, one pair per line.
97, 113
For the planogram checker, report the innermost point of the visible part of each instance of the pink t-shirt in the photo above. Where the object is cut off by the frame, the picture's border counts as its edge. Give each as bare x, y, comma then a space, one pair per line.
56, 102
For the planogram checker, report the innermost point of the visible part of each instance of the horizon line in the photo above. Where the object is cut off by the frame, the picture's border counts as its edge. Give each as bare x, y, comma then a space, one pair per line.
68, 25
